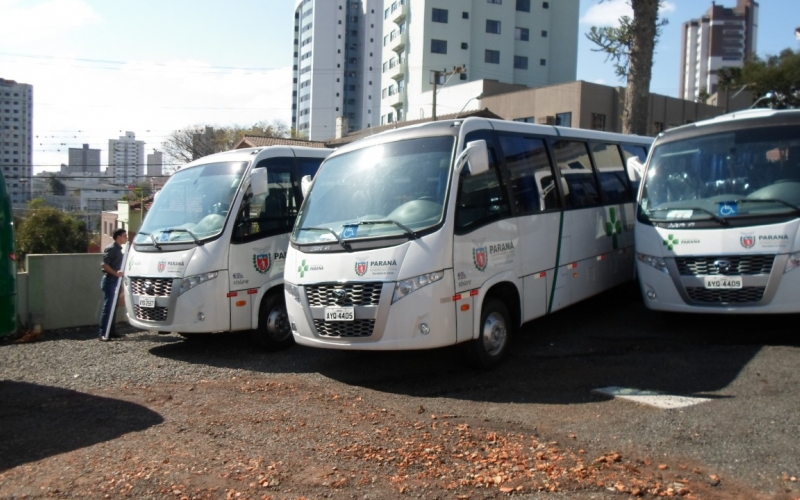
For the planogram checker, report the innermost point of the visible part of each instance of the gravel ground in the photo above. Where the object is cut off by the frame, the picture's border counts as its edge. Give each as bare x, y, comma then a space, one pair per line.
154, 416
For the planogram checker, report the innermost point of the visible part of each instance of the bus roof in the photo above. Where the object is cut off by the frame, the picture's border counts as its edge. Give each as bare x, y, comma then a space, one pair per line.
248, 154
737, 120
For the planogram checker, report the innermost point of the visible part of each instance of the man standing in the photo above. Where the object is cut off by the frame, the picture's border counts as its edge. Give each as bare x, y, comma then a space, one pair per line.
112, 272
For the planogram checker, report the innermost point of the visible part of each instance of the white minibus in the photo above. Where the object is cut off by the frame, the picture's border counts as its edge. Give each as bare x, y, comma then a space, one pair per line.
719, 209
210, 254
458, 232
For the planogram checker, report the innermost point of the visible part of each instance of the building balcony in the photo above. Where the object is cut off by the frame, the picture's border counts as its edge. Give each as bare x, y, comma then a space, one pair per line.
398, 11
397, 70
396, 99
397, 40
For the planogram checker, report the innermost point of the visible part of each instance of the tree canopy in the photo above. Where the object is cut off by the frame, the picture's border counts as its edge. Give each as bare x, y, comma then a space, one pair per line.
190, 143
774, 81
48, 230
631, 46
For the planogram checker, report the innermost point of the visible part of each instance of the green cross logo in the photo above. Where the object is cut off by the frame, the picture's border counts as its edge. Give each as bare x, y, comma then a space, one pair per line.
671, 242
303, 269
614, 226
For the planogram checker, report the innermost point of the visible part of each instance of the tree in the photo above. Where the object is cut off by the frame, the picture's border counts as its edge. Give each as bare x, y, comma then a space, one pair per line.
190, 143
56, 186
631, 46
774, 81
48, 230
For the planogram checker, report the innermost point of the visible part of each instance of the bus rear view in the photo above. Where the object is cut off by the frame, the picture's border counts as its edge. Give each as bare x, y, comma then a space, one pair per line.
718, 216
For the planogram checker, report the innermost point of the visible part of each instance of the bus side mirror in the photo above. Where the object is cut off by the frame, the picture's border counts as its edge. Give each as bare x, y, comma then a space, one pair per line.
635, 169
258, 181
477, 155
305, 185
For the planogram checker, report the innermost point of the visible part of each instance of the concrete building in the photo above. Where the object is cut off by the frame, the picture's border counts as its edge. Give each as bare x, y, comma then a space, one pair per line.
155, 164
337, 66
125, 159
523, 42
16, 138
83, 160
723, 37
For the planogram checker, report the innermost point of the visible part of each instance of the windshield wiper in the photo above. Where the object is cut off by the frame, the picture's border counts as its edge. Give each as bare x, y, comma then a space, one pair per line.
408, 231
767, 200
723, 221
155, 243
338, 239
182, 230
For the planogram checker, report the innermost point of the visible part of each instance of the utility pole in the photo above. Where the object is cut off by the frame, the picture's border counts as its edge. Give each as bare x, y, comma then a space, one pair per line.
436, 74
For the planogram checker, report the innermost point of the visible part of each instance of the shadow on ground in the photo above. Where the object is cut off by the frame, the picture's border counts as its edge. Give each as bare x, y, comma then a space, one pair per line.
74, 420
609, 340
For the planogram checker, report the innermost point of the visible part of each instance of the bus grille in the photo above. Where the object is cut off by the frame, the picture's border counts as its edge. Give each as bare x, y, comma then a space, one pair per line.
357, 328
151, 313
739, 265
748, 294
356, 294
160, 287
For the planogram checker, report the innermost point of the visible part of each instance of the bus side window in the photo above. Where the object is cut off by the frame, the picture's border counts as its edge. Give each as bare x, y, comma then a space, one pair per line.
273, 212
611, 171
481, 198
572, 158
532, 179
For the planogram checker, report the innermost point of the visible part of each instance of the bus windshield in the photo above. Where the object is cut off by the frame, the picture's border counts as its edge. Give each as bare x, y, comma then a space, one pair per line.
193, 205
386, 190
753, 172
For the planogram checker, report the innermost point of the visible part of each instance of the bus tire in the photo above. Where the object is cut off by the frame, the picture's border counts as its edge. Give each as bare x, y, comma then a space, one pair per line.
273, 332
491, 346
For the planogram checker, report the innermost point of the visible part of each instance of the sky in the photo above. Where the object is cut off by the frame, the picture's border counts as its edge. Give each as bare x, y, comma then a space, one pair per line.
100, 68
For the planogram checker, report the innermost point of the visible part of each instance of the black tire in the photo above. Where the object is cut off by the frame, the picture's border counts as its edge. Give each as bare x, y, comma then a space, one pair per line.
273, 332
496, 329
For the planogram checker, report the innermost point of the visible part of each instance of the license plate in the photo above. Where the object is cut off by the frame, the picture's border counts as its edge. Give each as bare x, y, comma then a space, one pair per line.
148, 302
723, 283
340, 314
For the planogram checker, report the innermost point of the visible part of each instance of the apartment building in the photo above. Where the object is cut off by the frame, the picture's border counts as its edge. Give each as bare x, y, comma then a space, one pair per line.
125, 159
83, 160
451, 42
337, 61
723, 37
16, 138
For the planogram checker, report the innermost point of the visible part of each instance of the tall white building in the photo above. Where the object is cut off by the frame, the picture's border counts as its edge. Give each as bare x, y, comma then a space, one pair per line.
16, 138
722, 38
125, 159
337, 66
155, 164
524, 42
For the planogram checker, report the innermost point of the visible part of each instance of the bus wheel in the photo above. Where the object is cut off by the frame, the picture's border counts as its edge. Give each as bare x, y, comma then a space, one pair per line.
491, 346
273, 332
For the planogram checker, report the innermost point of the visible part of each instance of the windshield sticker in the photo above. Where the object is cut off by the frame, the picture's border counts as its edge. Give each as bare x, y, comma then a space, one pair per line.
680, 214
361, 268
350, 231
261, 260
728, 209
748, 240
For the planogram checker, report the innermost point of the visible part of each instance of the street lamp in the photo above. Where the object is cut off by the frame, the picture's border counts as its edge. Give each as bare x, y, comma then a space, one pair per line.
768, 95
479, 96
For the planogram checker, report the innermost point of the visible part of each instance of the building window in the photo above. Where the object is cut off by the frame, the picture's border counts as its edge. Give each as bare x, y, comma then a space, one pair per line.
498, 2
492, 26
520, 62
542, 62
524, 5
492, 56
545, 5
522, 34
462, 76
464, 45
440, 15
564, 119
598, 121
438, 46
465, 15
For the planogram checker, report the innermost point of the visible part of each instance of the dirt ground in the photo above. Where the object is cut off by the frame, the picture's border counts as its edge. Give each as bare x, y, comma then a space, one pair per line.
279, 436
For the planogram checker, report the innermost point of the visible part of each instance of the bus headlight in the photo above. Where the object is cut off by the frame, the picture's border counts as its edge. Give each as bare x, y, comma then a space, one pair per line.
654, 262
190, 282
292, 290
405, 287
793, 262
